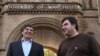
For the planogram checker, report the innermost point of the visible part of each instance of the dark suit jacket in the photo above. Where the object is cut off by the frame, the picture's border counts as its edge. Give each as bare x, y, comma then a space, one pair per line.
15, 49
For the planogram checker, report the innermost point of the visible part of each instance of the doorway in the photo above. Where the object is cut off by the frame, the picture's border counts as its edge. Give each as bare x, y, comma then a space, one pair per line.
49, 51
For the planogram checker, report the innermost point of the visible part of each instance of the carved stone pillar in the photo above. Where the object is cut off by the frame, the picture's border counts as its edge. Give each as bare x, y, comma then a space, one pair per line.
82, 24
98, 2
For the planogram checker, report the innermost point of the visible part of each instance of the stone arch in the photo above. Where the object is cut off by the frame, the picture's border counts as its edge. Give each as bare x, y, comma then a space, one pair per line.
43, 22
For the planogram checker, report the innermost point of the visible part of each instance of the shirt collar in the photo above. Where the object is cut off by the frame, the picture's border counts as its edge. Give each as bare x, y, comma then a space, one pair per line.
23, 40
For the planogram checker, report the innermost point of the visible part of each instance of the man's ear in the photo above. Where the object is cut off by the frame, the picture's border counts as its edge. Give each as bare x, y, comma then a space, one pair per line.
74, 25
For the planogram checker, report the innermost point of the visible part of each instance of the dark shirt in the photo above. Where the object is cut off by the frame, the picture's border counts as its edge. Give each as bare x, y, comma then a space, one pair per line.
80, 45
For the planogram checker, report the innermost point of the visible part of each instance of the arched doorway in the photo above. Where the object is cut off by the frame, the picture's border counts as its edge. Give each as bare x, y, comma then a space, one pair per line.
47, 32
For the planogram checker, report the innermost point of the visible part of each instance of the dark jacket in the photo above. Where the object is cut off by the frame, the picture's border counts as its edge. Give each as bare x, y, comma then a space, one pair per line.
15, 49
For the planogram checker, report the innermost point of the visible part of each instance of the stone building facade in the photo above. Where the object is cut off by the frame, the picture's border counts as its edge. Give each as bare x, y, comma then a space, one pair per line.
45, 16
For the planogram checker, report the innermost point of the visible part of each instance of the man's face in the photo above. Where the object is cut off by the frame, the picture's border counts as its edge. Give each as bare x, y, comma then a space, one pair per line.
67, 27
27, 32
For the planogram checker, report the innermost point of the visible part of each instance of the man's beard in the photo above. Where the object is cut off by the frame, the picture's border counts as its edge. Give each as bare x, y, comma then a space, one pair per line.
68, 33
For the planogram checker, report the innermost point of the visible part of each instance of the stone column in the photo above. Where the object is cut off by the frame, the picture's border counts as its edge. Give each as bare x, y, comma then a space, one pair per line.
94, 3
98, 4
0, 35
